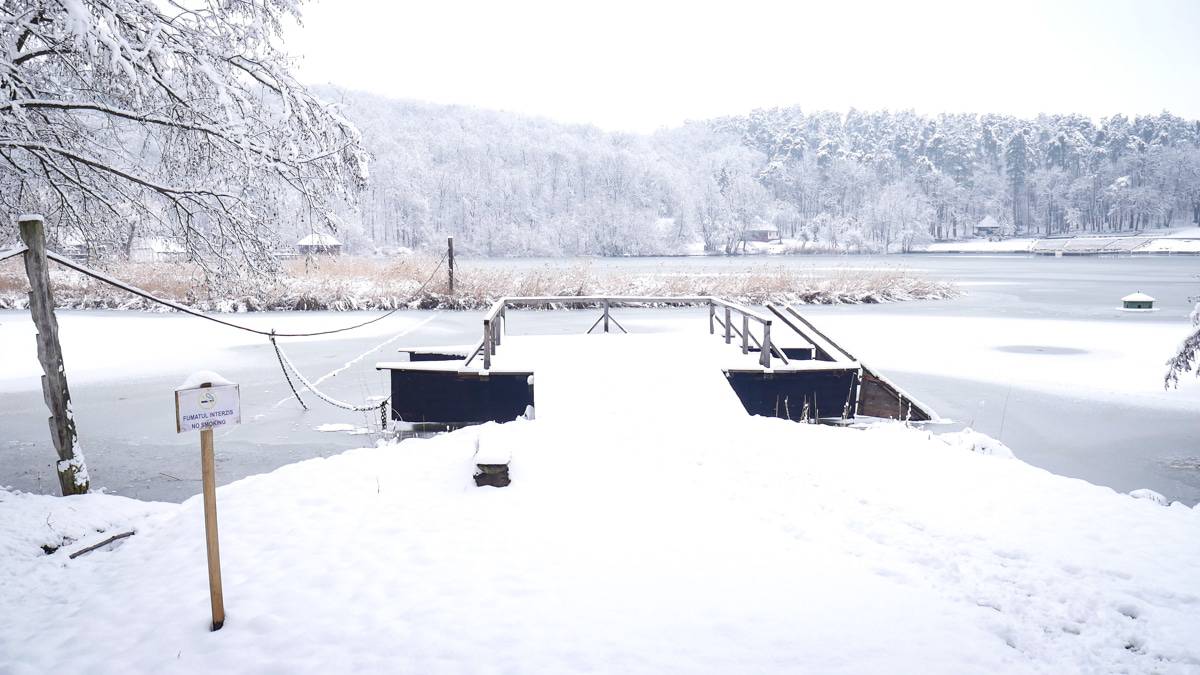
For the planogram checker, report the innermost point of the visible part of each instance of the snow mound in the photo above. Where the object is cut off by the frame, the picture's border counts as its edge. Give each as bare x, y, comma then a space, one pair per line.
973, 441
203, 377
658, 545
1150, 496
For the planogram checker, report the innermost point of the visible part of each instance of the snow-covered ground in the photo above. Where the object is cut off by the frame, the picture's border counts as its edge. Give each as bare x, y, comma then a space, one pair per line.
640, 540
1180, 240
649, 528
1016, 245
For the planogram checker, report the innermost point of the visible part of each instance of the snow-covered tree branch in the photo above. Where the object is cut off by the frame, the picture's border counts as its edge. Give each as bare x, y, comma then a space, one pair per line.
121, 118
1187, 358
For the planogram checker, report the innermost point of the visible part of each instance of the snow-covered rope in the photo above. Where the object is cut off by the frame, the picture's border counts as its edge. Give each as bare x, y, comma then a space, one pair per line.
288, 365
16, 250
284, 362
286, 376
99, 276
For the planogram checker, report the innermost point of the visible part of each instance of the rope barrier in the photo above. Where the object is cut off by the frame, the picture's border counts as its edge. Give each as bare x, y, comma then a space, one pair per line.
286, 376
285, 364
8, 253
99, 276
324, 397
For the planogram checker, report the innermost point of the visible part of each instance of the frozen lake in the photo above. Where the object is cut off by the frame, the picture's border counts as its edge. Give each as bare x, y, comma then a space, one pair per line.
1035, 353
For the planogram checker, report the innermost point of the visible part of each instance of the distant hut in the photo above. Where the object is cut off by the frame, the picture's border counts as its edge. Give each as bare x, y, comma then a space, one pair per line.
1138, 300
73, 246
764, 232
157, 249
319, 243
989, 228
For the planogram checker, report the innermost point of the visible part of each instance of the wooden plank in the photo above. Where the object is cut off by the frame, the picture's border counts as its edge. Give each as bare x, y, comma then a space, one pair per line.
880, 398
72, 473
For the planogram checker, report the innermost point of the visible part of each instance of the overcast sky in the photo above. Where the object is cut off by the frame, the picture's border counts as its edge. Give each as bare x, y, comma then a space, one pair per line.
637, 66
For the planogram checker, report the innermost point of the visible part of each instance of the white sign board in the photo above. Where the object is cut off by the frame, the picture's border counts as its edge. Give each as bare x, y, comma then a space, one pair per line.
207, 407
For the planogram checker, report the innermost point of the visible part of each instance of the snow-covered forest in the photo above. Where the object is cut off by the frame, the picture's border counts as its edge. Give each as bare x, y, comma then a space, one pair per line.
505, 184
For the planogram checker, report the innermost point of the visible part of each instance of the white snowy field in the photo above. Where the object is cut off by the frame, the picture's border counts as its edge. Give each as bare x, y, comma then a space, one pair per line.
668, 546
651, 529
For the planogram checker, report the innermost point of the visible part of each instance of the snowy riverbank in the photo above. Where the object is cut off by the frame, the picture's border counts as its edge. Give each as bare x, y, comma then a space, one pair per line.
753, 546
1171, 242
363, 284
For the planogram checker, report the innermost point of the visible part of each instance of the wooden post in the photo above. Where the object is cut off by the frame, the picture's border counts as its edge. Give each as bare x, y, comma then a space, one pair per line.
450, 261
606, 306
745, 334
712, 316
209, 474
728, 326
488, 345
72, 472
764, 358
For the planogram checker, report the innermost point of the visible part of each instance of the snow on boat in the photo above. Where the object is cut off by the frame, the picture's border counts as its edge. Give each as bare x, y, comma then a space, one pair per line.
772, 364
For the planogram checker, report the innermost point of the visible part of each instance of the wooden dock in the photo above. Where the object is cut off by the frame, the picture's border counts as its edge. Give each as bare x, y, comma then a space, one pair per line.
773, 363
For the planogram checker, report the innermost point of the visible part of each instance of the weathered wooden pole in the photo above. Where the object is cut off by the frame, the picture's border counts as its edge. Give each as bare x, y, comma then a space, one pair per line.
212, 544
72, 472
450, 261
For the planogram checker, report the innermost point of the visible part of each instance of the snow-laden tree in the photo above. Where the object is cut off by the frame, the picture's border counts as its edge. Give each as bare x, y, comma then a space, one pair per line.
121, 118
1187, 358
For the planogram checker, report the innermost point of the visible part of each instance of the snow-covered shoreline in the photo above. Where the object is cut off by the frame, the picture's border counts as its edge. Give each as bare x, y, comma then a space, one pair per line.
367, 284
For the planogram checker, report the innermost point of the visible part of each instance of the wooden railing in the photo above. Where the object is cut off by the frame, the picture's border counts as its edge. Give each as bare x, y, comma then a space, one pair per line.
496, 319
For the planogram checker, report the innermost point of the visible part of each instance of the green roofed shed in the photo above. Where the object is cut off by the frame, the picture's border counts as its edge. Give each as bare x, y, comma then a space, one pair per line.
1138, 300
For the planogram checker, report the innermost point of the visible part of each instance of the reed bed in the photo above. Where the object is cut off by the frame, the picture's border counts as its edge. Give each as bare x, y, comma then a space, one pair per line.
349, 283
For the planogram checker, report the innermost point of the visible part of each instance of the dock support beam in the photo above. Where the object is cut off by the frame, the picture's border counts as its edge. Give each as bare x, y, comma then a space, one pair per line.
72, 473
745, 334
606, 307
728, 327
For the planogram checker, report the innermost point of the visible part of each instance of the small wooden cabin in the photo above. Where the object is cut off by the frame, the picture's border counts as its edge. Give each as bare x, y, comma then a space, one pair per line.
763, 232
319, 243
989, 228
157, 249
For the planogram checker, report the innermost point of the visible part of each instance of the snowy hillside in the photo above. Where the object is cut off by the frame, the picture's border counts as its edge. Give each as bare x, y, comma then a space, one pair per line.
755, 545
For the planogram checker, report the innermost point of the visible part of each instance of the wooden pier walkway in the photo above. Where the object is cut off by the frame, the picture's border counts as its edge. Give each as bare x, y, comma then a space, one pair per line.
583, 379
